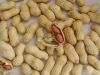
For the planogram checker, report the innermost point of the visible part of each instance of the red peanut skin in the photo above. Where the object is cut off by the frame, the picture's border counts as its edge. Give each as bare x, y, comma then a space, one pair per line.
5, 66
55, 29
1, 63
57, 33
60, 38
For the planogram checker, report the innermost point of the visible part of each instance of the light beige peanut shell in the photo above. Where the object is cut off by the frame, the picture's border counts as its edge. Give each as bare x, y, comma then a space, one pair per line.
40, 45
62, 24
77, 69
34, 8
71, 53
25, 69
50, 50
47, 12
15, 0
35, 51
35, 72
9, 13
48, 66
3, 25
13, 36
0, 16
59, 64
95, 17
41, 40
34, 62
94, 7
78, 28
95, 38
60, 50
41, 1
80, 49
4, 35
6, 5
3, 31
40, 33
66, 5
31, 29
91, 47
16, 20
49, 38
7, 49
67, 68
20, 27
57, 11
74, 14
24, 12
92, 60
69, 35
19, 50
10, 73
68, 22
80, 2
1, 71
91, 71
84, 9
72, 1
45, 22
46, 43
96, 72
53, 61
96, 28
85, 18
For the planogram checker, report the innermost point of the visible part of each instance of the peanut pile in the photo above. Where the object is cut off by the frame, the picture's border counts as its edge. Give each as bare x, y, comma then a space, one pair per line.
60, 45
